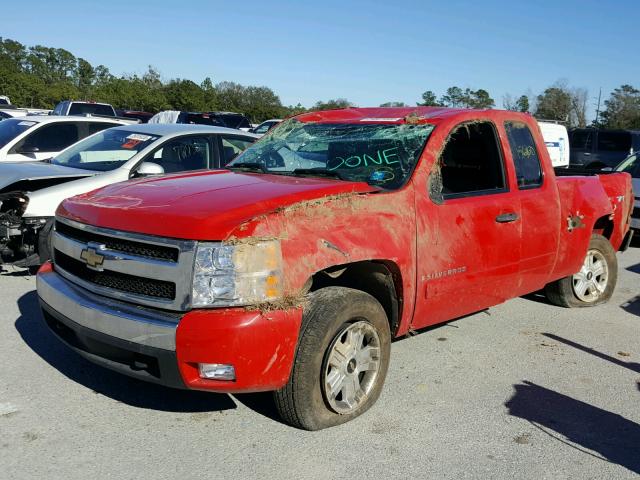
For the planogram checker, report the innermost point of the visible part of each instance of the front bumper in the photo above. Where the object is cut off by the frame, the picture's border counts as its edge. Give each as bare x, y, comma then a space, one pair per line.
166, 347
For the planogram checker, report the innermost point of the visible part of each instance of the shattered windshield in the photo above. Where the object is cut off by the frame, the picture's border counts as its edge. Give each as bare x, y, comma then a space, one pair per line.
104, 151
383, 155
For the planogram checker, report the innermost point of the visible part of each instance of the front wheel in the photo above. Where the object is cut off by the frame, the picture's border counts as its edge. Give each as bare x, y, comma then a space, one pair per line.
594, 283
342, 360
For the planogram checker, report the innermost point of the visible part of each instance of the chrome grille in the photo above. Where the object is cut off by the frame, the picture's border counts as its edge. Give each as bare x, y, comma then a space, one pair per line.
158, 252
142, 269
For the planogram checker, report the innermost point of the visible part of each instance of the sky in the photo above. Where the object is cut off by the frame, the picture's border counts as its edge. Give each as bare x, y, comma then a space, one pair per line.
369, 52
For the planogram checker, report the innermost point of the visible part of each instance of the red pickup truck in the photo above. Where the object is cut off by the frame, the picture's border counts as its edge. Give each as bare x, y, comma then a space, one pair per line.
294, 268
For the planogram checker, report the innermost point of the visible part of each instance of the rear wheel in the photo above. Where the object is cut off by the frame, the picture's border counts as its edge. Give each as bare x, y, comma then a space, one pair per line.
342, 360
594, 283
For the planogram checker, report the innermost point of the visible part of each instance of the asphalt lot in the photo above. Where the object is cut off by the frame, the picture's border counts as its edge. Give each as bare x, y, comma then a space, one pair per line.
525, 390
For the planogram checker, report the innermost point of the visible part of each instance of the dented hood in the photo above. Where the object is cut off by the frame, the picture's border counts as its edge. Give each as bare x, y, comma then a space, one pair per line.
11, 173
197, 206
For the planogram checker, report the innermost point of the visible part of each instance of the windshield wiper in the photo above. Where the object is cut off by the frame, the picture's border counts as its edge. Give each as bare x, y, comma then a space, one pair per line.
248, 167
317, 172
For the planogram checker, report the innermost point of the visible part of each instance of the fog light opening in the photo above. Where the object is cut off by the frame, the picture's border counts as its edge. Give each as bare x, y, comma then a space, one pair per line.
217, 371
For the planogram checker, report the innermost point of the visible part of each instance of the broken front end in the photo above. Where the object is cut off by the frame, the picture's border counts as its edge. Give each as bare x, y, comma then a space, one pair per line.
19, 236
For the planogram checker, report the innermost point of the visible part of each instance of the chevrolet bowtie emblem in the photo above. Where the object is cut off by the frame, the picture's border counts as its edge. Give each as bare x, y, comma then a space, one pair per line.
93, 259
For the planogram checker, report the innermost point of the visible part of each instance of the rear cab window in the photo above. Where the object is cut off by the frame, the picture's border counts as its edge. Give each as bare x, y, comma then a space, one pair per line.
525, 155
92, 109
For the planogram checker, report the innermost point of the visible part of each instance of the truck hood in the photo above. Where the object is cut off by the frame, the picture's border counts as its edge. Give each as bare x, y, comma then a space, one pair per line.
11, 173
198, 206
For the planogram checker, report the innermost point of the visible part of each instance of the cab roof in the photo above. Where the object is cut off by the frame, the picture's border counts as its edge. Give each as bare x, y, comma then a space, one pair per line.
394, 114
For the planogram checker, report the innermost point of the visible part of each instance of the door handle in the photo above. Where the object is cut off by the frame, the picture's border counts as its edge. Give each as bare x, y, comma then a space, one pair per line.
507, 217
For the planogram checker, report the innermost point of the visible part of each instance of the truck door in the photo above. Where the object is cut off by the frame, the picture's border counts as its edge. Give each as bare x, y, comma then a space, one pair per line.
474, 261
539, 206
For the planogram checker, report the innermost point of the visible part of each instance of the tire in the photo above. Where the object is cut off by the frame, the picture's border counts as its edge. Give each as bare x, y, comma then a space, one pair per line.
45, 236
593, 284
337, 323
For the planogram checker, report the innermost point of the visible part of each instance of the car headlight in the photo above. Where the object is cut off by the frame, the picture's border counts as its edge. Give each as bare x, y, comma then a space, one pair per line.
242, 274
35, 221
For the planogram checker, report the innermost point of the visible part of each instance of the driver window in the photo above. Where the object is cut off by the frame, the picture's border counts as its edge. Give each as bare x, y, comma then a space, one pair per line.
183, 154
471, 162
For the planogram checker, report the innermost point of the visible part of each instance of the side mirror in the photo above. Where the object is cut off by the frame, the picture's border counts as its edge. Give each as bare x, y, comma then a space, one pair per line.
149, 168
28, 149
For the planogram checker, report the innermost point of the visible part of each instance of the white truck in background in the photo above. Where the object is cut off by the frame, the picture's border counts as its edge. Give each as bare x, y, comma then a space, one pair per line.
556, 138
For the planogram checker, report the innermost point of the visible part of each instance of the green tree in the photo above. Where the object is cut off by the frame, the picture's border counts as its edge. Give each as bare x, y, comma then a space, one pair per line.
185, 95
622, 109
394, 104
554, 104
333, 104
429, 100
454, 97
84, 77
522, 104
479, 99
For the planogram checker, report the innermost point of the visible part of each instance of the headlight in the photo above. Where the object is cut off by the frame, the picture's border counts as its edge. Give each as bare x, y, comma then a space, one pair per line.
35, 221
232, 275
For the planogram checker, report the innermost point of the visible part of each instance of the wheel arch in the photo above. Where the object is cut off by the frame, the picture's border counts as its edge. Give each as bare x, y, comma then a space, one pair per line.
604, 226
381, 279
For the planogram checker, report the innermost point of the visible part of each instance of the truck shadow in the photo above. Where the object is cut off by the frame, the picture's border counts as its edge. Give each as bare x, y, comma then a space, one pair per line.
578, 424
634, 367
100, 380
634, 268
632, 306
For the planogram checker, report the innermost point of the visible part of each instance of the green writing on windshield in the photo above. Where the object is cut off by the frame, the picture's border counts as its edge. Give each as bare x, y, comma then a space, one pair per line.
388, 156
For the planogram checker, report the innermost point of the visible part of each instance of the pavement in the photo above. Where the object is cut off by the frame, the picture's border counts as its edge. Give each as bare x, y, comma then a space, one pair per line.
525, 390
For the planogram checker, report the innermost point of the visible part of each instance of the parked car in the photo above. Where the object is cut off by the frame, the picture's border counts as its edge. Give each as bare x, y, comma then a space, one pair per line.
631, 165
143, 117
78, 107
10, 111
265, 126
4, 100
217, 119
36, 138
595, 149
336, 232
30, 192
556, 138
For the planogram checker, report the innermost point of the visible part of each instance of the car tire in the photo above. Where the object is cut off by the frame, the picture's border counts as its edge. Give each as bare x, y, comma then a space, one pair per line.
341, 361
593, 284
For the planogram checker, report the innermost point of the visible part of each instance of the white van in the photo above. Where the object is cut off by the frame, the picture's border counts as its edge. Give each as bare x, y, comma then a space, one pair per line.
556, 138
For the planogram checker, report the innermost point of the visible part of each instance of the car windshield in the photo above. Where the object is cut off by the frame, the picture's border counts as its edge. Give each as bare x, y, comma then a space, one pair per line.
106, 150
383, 155
11, 128
628, 165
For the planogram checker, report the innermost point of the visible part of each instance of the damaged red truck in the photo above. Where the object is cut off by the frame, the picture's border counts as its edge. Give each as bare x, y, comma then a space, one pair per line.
293, 269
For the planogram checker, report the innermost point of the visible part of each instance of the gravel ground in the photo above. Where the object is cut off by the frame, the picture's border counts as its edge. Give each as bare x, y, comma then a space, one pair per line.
524, 390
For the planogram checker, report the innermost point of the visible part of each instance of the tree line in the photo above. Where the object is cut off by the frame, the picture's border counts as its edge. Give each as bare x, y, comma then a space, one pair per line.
42, 76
